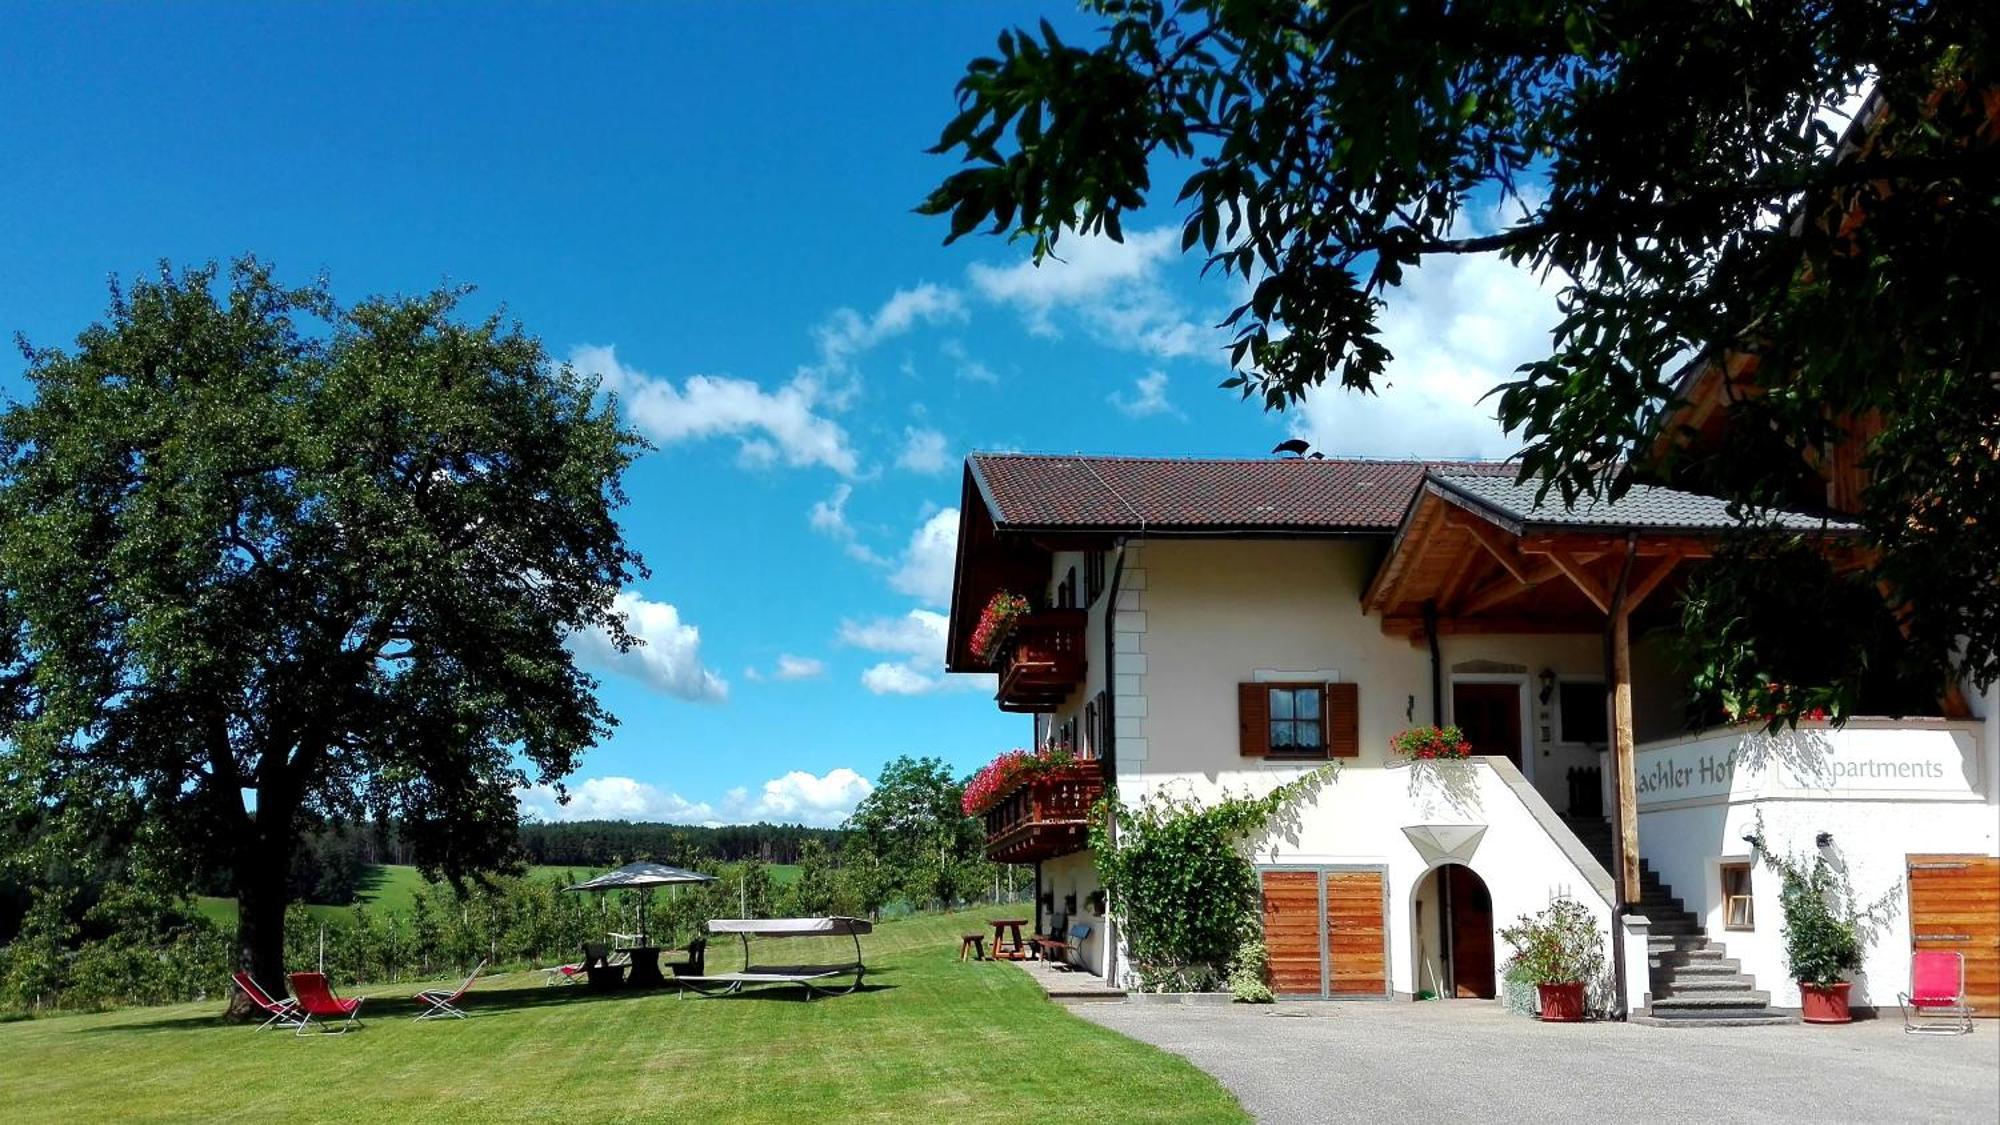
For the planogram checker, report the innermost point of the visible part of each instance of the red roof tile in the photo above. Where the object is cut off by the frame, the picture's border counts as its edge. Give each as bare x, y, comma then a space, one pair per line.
1044, 492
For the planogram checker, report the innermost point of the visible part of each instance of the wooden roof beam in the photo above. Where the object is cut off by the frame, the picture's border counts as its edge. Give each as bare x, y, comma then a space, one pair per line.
1504, 548
1595, 588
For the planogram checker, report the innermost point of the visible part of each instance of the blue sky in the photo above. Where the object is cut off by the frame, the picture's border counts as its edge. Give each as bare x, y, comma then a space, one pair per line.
711, 207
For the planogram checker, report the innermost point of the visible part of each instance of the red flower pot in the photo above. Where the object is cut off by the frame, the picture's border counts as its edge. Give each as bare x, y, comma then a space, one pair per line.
1824, 1003
1562, 1003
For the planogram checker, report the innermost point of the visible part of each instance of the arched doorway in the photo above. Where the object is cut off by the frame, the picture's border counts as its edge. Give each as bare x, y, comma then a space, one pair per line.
1455, 933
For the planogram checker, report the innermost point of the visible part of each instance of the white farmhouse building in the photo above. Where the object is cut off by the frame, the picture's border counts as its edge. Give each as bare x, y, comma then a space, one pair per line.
1227, 625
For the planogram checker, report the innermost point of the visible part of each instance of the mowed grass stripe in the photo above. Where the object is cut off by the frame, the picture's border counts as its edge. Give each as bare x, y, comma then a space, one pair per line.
932, 1038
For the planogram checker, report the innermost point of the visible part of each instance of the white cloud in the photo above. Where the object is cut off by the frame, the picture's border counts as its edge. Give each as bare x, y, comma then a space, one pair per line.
925, 570
799, 667
923, 451
800, 797
829, 518
615, 798
784, 424
917, 639
1457, 327
1148, 397
964, 366
1115, 290
668, 660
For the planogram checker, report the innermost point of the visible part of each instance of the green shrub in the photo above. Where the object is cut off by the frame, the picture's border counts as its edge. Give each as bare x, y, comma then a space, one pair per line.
1561, 945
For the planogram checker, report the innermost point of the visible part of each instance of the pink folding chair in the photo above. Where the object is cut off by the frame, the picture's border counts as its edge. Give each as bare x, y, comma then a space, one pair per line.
316, 1000
439, 1003
284, 1013
1935, 1003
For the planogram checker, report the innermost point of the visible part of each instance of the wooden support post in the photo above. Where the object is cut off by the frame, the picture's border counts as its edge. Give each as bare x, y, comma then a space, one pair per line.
1621, 732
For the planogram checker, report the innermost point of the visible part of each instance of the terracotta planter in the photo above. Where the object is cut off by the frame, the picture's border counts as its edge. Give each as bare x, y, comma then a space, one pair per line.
1824, 1003
1562, 1003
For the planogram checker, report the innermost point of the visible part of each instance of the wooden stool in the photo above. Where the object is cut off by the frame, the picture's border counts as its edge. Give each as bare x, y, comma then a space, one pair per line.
974, 944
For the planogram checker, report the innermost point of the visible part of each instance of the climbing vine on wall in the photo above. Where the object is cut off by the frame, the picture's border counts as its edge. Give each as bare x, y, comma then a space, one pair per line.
1181, 879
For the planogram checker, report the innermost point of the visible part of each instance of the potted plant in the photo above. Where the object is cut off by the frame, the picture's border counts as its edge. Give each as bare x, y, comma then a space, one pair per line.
1424, 744
1822, 935
1561, 951
996, 621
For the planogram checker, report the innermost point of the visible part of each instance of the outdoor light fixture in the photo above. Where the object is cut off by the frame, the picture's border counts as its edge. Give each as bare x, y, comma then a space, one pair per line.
1824, 839
1751, 840
1548, 678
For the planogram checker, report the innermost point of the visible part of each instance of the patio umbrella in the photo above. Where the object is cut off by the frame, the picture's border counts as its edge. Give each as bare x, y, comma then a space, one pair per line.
642, 877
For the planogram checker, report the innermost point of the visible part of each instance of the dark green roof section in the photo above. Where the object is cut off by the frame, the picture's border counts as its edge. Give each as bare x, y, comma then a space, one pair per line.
1644, 508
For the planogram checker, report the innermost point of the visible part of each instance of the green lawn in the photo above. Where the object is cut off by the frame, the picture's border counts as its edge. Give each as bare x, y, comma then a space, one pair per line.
392, 888
930, 1038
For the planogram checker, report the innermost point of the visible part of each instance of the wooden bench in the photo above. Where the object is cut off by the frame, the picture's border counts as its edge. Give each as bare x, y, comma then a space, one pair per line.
1064, 951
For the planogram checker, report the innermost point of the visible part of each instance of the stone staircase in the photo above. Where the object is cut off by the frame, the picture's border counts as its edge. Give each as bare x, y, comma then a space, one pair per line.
1694, 982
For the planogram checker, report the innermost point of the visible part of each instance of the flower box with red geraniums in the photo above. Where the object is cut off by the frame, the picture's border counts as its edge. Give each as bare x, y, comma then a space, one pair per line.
999, 777
1426, 744
1781, 702
996, 621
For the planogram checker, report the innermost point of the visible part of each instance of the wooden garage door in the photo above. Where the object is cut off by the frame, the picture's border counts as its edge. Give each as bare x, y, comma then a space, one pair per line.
1955, 904
1356, 947
1324, 932
1291, 931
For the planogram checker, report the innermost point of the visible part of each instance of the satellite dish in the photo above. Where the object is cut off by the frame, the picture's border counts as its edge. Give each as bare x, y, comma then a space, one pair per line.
1295, 446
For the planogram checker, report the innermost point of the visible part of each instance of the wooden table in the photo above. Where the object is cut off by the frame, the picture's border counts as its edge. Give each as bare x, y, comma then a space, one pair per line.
1004, 949
645, 967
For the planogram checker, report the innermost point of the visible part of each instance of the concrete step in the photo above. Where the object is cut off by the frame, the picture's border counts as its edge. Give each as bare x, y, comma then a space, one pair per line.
1748, 1017
1704, 1001
1702, 967
1675, 943
1681, 984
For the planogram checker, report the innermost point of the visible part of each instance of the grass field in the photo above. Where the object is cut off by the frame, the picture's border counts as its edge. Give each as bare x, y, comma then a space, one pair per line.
391, 888
928, 1037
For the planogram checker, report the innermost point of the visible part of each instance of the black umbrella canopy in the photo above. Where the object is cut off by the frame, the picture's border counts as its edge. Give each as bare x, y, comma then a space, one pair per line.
641, 876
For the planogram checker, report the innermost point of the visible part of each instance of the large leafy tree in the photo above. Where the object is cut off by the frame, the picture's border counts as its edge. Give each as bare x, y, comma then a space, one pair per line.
913, 835
268, 561
1678, 165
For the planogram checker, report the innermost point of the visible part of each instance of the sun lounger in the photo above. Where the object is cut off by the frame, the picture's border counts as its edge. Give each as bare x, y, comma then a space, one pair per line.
316, 1000
284, 1013
824, 979
1935, 1003
441, 1003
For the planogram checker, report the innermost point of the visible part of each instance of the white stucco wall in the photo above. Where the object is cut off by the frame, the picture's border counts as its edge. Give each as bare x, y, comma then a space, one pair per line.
1075, 874
1689, 824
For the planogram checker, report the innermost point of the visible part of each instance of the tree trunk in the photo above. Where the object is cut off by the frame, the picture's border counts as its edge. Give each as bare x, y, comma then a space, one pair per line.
261, 874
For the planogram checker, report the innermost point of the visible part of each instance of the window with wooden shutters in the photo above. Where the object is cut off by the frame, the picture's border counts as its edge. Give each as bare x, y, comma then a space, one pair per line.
1296, 720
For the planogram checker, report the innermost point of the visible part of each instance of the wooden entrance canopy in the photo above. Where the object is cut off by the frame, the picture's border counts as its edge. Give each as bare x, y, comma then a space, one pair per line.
1478, 553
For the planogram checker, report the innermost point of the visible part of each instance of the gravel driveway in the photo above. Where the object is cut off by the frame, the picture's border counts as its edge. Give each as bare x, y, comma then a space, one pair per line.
1472, 1061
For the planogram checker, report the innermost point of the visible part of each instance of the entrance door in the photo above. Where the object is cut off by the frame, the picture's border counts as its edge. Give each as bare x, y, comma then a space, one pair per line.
1325, 932
1490, 716
1470, 910
1955, 905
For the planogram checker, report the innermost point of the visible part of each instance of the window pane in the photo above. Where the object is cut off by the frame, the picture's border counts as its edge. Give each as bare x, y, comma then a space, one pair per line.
1281, 704
1308, 735
1583, 718
1308, 703
1281, 735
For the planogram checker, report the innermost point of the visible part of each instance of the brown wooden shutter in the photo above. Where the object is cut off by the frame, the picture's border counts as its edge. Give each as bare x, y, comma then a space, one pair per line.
1343, 720
1253, 719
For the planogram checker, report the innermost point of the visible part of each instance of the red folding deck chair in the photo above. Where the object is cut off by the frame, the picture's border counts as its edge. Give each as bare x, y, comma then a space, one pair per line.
439, 1003
1935, 1003
316, 1000
284, 1013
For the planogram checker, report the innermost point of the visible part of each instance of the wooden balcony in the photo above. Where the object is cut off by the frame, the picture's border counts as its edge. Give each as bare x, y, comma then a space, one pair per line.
1041, 660
1045, 816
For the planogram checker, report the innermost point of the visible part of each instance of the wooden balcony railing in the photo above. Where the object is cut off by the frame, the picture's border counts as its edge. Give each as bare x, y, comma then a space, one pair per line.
1045, 816
1041, 660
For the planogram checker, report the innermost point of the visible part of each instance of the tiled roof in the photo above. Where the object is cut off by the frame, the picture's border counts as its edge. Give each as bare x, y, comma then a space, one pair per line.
1645, 507
1044, 492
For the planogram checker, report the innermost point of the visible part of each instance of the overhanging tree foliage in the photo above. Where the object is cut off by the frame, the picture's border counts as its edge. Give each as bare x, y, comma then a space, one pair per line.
1671, 161
268, 561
